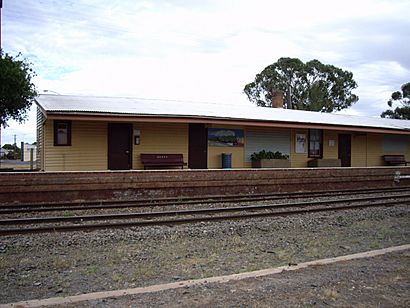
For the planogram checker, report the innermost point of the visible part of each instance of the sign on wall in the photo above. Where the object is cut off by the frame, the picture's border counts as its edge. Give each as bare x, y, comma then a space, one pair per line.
225, 137
301, 143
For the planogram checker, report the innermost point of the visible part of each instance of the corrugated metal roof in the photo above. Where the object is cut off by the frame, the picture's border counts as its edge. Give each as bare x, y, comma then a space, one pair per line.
152, 107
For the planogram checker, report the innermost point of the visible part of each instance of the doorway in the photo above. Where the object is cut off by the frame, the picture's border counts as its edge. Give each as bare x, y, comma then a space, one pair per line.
345, 149
119, 146
198, 146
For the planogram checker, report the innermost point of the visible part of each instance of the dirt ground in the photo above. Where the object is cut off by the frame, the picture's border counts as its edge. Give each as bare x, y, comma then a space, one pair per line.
382, 281
16, 165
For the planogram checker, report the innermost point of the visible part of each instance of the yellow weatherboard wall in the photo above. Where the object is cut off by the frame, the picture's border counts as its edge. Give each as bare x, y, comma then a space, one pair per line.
40, 140
330, 144
160, 138
366, 148
88, 150
330, 147
375, 149
215, 152
89, 145
215, 156
359, 156
298, 160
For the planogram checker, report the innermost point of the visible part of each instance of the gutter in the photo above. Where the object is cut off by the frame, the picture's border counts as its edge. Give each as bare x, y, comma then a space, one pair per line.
126, 117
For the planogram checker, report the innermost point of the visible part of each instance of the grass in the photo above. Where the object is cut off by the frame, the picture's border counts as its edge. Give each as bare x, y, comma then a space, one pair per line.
61, 263
331, 294
118, 277
68, 214
92, 269
375, 244
143, 271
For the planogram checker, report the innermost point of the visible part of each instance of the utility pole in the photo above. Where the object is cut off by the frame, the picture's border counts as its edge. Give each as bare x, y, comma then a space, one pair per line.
15, 147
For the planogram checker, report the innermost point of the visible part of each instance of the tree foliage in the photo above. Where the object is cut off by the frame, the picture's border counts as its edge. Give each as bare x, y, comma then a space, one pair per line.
258, 156
8, 146
17, 91
14, 152
307, 86
403, 98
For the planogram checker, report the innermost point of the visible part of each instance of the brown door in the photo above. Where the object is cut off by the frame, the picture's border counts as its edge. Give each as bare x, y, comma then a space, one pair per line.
345, 149
119, 146
198, 146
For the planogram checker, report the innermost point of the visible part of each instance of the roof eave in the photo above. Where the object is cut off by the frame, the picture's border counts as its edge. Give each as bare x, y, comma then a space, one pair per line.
123, 117
42, 110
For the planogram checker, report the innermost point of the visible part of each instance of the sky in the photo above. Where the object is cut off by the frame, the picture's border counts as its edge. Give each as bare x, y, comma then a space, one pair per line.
202, 51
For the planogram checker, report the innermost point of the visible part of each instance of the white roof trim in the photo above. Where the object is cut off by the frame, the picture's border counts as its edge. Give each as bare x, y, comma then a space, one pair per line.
161, 108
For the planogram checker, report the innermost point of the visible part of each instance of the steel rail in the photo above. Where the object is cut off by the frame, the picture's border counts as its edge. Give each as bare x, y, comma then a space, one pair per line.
118, 204
175, 221
37, 220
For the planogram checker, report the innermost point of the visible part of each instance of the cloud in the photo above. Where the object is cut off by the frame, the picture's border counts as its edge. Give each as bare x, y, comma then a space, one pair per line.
205, 50
25, 132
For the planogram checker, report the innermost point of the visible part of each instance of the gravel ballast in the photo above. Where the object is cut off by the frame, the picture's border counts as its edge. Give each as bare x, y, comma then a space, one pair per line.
49, 265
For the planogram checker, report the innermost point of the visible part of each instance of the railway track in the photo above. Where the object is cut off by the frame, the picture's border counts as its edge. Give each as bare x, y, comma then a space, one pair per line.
142, 219
25, 208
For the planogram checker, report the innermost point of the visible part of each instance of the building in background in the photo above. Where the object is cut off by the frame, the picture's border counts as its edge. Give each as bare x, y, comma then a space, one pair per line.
3, 153
78, 133
28, 152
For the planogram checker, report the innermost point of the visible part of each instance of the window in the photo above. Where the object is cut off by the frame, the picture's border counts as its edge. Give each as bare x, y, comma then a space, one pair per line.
395, 144
315, 143
62, 132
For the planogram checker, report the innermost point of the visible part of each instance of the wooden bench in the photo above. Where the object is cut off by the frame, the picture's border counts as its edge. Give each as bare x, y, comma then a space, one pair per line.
395, 160
162, 160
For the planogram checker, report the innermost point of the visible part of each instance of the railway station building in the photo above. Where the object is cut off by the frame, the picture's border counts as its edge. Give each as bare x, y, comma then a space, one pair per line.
87, 133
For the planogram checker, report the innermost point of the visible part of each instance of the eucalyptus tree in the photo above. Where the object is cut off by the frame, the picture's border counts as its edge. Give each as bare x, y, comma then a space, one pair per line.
310, 86
17, 90
403, 99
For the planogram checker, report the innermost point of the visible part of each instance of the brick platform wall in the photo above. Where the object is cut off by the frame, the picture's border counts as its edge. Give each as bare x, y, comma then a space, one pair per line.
125, 185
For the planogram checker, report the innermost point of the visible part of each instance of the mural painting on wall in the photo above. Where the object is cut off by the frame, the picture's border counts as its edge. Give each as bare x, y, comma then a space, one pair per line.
224, 137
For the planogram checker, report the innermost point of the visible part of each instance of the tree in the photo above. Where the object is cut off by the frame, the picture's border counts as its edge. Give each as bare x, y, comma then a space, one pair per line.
403, 98
17, 91
306, 86
8, 146
13, 151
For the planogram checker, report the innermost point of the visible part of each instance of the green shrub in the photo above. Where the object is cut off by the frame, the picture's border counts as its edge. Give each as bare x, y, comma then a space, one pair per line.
257, 156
